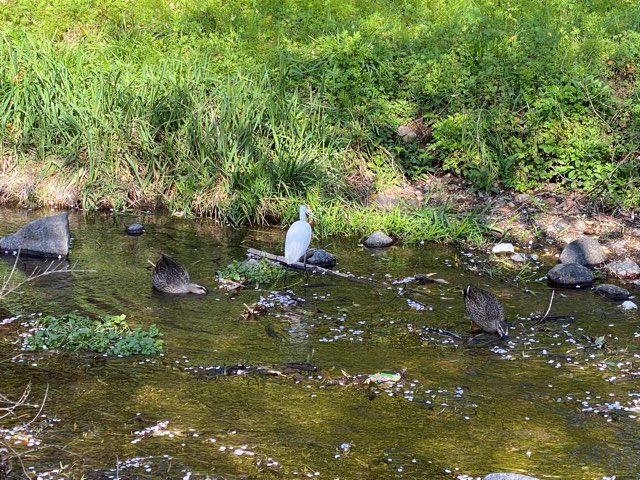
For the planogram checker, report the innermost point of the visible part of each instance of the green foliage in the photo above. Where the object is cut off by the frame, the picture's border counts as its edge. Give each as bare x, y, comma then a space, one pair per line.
438, 223
262, 272
226, 109
109, 335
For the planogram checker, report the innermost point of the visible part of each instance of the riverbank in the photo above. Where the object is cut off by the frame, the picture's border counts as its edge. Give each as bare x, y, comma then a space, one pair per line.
242, 111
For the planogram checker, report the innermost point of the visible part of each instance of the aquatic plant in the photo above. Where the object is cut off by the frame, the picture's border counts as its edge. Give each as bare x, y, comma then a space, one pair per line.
262, 272
109, 334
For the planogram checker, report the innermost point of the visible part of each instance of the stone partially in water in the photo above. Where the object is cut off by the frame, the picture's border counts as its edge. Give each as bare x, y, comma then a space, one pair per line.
44, 237
584, 251
135, 229
629, 305
612, 292
570, 275
626, 270
321, 258
503, 248
508, 476
378, 239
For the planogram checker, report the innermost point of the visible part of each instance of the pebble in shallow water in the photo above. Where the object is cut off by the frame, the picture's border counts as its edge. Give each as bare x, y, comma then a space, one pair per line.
612, 292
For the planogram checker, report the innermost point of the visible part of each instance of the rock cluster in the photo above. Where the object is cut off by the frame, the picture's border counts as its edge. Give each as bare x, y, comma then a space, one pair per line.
579, 257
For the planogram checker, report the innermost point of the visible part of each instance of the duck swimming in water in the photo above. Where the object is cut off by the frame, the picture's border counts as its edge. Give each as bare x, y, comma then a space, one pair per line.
171, 277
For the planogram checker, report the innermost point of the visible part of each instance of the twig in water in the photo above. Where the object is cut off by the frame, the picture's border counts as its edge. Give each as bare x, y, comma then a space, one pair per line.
541, 319
50, 270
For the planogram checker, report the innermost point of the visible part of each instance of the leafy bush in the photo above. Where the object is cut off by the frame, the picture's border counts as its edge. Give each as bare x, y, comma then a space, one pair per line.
109, 335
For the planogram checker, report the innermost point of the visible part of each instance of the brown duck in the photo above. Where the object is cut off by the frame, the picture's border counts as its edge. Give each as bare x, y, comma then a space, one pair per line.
485, 311
171, 277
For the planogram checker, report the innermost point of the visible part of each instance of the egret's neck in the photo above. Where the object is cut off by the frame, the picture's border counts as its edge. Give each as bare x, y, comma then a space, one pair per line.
303, 213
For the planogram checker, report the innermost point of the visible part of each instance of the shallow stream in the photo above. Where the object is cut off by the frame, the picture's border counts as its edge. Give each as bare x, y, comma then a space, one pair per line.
561, 400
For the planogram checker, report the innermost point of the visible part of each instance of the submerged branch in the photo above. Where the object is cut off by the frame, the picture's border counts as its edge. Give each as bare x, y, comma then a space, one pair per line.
50, 270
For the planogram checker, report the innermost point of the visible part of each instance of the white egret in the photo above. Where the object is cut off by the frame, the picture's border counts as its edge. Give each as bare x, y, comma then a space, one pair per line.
298, 238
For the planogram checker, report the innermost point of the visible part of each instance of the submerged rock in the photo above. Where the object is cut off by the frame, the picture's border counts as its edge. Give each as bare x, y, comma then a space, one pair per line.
626, 270
508, 476
378, 239
584, 251
629, 305
321, 258
524, 257
135, 229
44, 237
612, 292
570, 275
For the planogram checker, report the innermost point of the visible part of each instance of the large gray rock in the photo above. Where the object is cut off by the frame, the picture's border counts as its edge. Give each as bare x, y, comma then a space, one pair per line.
321, 258
570, 275
583, 251
612, 292
378, 239
44, 237
626, 270
508, 476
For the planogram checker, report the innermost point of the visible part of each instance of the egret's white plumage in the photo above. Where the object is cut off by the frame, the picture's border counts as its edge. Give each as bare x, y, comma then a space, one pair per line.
298, 238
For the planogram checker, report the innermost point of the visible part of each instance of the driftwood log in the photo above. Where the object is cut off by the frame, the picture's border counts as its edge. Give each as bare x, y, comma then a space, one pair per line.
253, 253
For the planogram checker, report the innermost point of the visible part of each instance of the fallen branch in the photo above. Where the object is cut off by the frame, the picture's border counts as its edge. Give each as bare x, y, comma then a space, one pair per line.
253, 253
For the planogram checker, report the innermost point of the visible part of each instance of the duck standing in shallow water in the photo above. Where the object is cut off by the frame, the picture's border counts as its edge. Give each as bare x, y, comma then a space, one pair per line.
298, 238
171, 277
485, 311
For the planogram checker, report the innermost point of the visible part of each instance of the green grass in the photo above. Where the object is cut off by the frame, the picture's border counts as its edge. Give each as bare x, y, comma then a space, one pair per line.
236, 109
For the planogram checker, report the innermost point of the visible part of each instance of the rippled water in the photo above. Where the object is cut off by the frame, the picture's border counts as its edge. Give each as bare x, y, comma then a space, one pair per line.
560, 401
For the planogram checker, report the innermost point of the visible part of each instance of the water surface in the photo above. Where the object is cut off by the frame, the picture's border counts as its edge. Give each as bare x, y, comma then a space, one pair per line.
543, 405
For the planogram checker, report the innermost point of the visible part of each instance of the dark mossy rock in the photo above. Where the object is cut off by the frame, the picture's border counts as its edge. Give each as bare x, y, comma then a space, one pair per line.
626, 270
570, 275
135, 229
378, 239
583, 251
612, 292
321, 258
48, 237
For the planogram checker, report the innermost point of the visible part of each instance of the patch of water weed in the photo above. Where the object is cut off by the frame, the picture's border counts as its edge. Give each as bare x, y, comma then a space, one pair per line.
109, 334
260, 273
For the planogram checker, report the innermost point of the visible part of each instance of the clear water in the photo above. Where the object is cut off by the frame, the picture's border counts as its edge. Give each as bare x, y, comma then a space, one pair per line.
544, 405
